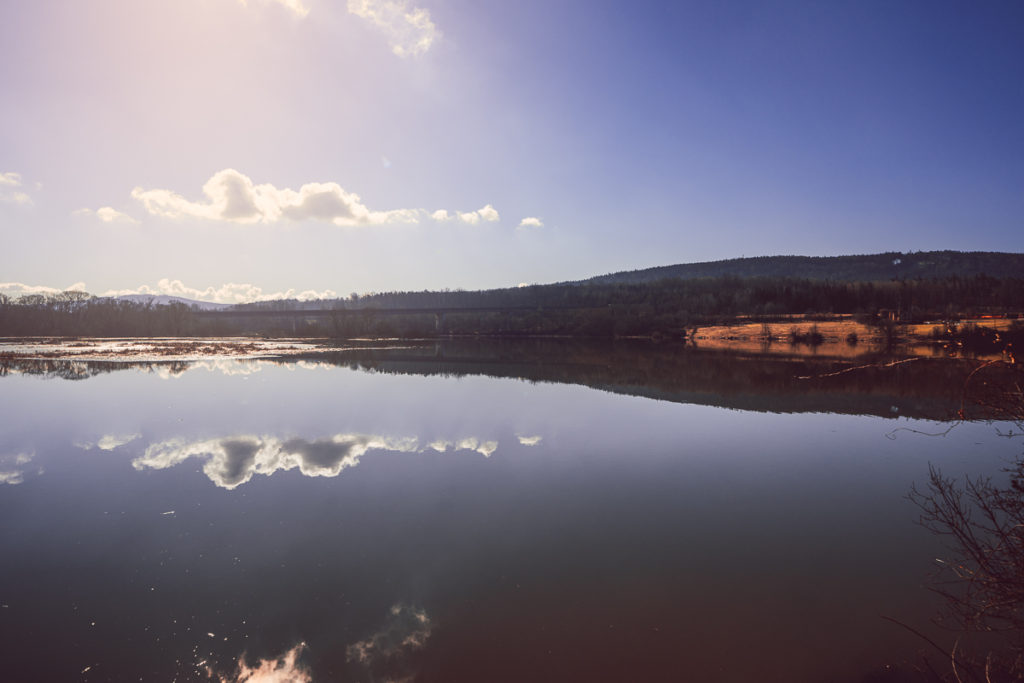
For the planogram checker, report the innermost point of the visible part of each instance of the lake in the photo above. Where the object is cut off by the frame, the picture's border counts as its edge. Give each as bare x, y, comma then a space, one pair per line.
472, 511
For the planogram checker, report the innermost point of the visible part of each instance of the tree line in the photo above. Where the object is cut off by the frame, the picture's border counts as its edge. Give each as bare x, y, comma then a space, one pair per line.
666, 307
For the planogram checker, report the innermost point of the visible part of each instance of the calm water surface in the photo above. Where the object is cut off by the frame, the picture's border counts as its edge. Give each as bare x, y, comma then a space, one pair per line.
351, 525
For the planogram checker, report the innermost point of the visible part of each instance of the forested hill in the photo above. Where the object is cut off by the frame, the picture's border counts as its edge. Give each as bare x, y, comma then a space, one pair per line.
859, 268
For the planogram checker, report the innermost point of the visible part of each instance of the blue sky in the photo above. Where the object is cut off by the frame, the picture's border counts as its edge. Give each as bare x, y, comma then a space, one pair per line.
235, 150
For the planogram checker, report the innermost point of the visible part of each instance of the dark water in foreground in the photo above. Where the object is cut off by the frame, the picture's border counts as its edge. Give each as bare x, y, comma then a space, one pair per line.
163, 523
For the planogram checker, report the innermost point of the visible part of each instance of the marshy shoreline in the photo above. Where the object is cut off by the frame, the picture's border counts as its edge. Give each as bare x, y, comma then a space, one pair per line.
841, 337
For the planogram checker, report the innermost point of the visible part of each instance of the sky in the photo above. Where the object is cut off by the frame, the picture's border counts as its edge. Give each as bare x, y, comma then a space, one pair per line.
234, 150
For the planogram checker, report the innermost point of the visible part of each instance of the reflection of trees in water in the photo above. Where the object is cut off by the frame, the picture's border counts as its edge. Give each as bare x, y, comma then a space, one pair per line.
996, 386
871, 385
59, 369
981, 581
52, 368
924, 388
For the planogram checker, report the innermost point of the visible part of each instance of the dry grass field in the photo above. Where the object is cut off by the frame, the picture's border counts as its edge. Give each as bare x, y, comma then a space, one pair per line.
842, 337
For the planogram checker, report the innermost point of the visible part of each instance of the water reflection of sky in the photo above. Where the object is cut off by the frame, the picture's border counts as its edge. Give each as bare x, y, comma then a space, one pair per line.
232, 461
620, 534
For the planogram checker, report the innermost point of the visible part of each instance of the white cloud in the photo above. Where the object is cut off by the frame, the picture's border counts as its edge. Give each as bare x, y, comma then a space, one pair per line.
232, 197
16, 289
487, 213
107, 214
294, 5
531, 222
17, 198
409, 30
529, 440
12, 180
230, 293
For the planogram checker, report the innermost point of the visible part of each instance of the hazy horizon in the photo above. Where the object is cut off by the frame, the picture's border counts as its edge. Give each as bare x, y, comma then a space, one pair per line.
239, 294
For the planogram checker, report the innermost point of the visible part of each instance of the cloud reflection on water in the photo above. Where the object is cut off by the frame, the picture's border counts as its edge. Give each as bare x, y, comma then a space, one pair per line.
224, 366
484, 448
283, 669
234, 460
384, 654
10, 467
108, 442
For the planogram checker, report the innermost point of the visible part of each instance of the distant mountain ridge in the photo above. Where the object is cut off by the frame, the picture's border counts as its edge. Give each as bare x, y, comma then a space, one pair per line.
855, 268
165, 299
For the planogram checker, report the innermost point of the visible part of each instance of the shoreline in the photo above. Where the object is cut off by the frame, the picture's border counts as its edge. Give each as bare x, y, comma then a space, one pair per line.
842, 339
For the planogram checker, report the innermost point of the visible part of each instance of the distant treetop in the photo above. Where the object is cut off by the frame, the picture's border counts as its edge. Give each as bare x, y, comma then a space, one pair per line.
857, 268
